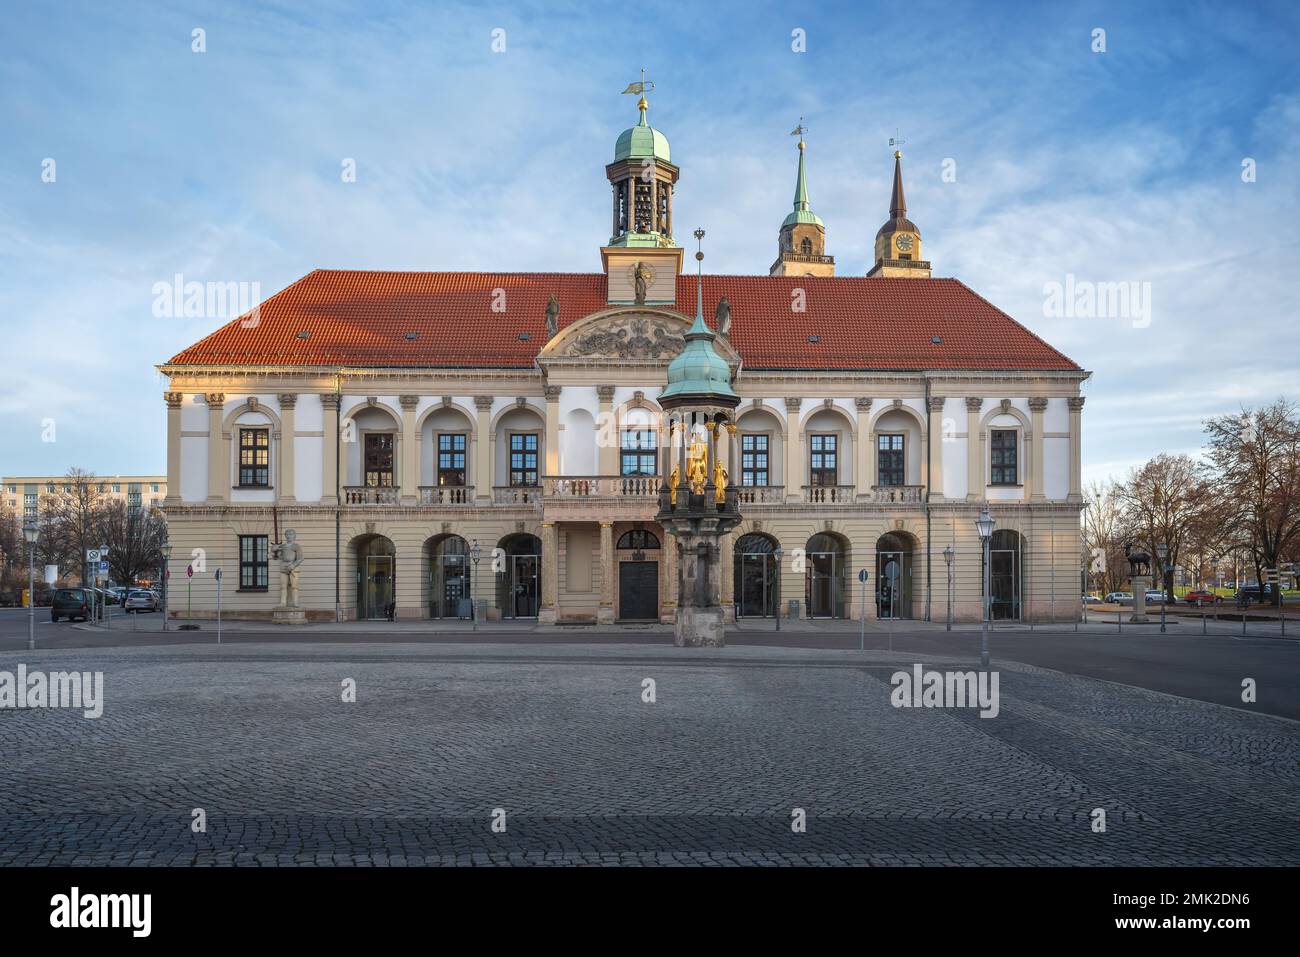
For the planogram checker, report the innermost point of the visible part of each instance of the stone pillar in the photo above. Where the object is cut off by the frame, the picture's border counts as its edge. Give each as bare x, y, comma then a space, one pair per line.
865, 470
410, 451
934, 481
606, 432
1038, 491
605, 613
1076, 447
483, 479
552, 393
330, 402
668, 600
974, 451
550, 610
1140, 585
727, 572
218, 463
794, 446
284, 485
174, 402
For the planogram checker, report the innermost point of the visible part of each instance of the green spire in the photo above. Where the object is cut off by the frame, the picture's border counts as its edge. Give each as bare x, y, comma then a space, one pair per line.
802, 207
698, 371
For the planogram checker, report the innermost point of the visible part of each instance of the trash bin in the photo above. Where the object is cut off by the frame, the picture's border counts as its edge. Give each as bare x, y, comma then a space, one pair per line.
792, 610
465, 608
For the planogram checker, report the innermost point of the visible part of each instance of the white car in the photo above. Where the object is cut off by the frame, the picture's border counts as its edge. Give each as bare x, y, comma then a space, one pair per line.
1119, 598
1155, 596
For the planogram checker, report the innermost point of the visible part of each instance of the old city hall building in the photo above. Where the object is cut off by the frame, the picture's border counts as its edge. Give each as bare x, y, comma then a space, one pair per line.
395, 420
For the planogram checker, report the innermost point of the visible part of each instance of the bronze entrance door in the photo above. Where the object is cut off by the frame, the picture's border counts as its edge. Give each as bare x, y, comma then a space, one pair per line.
638, 591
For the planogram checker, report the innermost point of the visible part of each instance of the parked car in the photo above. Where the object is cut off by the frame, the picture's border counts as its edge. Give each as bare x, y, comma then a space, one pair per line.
70, 603
138, 600
1091, 600
1119, 598
1155, 596
1249, 593
1201, 597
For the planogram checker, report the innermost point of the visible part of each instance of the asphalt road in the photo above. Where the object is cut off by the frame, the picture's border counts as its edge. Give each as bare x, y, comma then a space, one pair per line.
1203, 668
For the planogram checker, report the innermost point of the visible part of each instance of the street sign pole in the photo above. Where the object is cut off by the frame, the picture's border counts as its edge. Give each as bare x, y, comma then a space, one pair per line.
218, 606
189, 594
862, 633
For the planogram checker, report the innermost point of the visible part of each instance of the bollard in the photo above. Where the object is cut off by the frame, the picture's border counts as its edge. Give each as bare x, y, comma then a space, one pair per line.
1203, 631
1119, 620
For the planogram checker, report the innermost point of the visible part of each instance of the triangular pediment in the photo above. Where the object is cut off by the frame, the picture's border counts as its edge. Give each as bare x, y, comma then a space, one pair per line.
626, 335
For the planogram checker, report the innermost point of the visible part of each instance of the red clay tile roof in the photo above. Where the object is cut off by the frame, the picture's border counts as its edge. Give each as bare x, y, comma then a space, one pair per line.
362, 318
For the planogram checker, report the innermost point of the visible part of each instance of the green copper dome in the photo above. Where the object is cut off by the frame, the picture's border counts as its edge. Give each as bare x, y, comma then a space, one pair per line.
642, 141
699, 370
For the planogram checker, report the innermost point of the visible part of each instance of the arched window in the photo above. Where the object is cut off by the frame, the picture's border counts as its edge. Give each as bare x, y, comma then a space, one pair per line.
638, 538
805, 247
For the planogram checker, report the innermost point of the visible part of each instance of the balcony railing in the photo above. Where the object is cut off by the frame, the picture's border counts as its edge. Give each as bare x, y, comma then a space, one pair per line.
516, 494
371, 495
600, 486
761, 494
446, 495
897, 494
829, 494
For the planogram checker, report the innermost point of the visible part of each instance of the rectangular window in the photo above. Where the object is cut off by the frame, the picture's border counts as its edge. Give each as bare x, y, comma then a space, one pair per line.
379, 460
823, 466
523, 458
451, 459
117, 489
638, 450
254, 457
1002, 460
153, 487
891, 463
133, 501
252, 562
29, 506
753, 459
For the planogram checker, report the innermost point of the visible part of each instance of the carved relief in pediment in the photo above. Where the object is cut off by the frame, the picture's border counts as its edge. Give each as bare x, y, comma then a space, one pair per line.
629, 337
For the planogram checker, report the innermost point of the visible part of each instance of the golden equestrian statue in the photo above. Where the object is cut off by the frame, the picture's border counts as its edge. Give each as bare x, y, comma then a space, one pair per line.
697, 464
674, 480
720, 483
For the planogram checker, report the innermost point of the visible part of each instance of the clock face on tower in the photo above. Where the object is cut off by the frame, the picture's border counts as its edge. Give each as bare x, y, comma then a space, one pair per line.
904, 243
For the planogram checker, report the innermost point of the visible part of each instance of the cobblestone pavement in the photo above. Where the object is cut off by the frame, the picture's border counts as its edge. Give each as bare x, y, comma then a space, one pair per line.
587, 773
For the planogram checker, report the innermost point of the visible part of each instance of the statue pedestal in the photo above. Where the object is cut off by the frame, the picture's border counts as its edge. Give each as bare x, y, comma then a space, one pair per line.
1140, 585
284, 615
701, 619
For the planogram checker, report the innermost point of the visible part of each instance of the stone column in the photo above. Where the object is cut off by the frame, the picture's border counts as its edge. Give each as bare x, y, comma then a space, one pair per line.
1076, 460
174, 402
794, 477
974, 451
934, 481
1036, 492
218, 463
669, 600
605, 613
330, 402
727, 563
550, 612
284, 485
552, 429
483, 479
606, 432
865, 470
410, 474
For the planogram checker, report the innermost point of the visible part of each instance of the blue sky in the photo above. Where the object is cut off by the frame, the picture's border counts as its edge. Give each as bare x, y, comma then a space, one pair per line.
1122, 166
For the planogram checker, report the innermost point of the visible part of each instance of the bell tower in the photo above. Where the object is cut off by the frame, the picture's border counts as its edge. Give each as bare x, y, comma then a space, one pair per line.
641, 260
898, 242
801, 244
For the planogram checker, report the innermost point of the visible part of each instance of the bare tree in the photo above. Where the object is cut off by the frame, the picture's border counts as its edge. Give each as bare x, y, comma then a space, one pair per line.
70, 523
1162, 501
1103, 535
1254, 466
134, 537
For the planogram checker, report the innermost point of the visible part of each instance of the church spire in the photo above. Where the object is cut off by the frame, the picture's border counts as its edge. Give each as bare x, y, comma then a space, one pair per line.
898, 242
801, 244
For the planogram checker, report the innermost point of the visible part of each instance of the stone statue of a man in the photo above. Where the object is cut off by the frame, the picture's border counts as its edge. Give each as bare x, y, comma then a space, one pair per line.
289, 554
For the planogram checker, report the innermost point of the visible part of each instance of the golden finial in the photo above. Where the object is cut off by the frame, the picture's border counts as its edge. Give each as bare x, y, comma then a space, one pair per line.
898, 154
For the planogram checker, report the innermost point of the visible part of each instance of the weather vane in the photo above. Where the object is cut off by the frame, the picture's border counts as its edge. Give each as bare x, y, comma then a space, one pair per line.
896, 140
641, 87
799, 131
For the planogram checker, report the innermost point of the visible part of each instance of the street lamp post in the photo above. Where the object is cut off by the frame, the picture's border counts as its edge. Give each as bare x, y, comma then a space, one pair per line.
165, 550
30, 533
475, 553
779, 553
984, 525
947, 557
1162, 552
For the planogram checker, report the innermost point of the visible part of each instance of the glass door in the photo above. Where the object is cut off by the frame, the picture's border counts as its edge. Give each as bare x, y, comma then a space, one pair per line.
822, 580
1004, 585
379, 586
757, 586
524, 585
